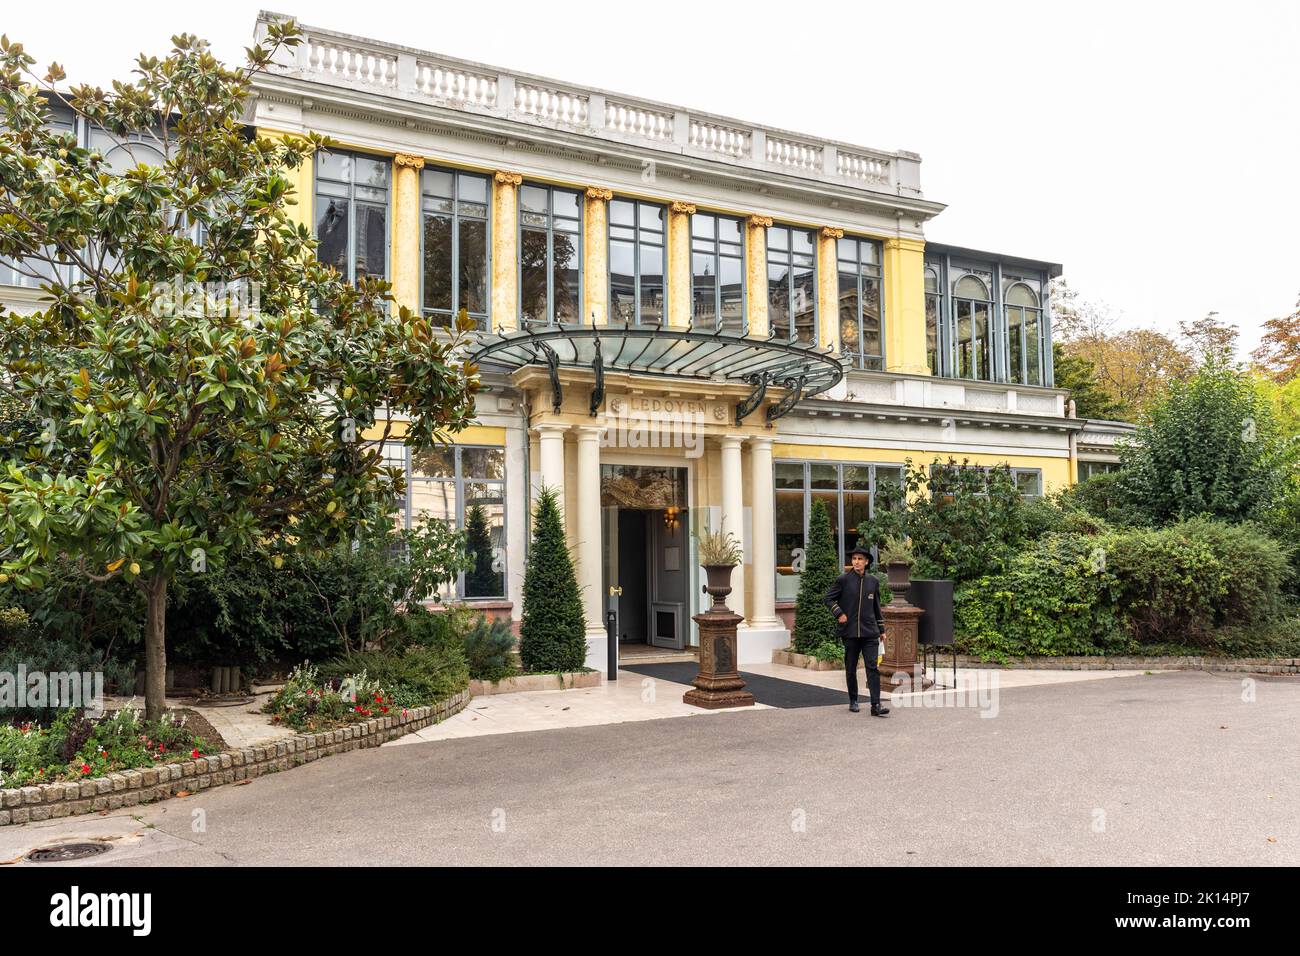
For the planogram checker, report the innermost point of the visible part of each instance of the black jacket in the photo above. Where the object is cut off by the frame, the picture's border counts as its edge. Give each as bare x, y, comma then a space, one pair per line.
858, 596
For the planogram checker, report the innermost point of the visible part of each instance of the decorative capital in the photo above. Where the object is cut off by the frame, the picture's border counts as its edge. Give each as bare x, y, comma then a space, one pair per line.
409, 160
509, 179
760, 222
830, 232
685, 208
599, 192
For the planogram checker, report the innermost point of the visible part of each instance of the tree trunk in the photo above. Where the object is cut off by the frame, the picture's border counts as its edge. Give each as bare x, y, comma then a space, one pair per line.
155, 649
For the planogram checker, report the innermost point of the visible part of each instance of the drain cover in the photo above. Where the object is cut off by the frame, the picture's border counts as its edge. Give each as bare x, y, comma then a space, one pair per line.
67, 851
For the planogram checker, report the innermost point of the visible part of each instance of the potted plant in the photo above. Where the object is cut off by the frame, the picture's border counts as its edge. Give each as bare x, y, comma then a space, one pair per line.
896, 555
719, 553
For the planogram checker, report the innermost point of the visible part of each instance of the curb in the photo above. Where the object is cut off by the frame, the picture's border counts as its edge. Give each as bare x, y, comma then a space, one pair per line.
129, 788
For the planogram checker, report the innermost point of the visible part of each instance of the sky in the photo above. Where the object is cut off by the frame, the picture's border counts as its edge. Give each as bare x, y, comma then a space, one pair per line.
1153, 148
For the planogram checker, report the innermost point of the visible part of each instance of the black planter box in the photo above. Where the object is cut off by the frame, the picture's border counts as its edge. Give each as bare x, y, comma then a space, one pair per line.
935, 598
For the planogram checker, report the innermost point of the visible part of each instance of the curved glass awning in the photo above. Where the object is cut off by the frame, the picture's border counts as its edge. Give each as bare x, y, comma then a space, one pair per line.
721, 357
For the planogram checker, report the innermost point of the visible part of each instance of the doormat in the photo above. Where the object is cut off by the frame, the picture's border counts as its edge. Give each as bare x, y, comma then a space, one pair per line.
772, 691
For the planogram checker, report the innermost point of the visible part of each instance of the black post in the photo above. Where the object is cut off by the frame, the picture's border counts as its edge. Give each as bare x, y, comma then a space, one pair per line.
611, 634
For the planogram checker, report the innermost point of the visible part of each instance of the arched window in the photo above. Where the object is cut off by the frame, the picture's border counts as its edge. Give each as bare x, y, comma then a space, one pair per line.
1024, 335
971, 306
932, 319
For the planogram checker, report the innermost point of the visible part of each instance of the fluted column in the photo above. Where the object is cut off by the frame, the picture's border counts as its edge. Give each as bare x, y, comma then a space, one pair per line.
588, 527
763, 545
679, 264
505, 251
828, 287
756, 274
406, 230
733, 514
595, 256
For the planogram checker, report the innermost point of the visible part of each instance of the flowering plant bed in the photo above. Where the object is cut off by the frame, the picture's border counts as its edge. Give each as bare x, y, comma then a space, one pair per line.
75, 747
306, 702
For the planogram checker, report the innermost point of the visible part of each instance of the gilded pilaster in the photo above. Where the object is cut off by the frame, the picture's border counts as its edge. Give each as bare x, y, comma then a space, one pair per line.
904, 267
679, 264
828, 292
505, 250
406, 230
595, 256
756, 275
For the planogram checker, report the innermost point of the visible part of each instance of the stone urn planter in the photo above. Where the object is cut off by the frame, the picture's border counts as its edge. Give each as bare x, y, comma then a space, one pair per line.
719, 584
899, 574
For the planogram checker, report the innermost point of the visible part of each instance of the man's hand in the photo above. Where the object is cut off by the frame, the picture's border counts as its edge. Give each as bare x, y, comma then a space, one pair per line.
844, 619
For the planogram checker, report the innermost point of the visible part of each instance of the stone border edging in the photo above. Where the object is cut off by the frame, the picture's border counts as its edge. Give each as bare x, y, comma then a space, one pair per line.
128, 788
570, 680
1252, 665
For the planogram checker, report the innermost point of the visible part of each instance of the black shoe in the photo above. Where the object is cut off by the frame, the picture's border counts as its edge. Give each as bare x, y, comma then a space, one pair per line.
853, 706
878, 711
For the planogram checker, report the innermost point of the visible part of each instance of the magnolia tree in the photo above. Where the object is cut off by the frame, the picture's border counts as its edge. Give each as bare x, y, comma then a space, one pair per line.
201, 385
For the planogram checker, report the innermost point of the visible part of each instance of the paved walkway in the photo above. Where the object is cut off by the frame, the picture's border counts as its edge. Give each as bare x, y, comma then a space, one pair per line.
635, 697
1180, 769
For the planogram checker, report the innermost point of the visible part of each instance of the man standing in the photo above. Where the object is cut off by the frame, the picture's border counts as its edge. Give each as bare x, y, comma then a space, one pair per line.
854, 599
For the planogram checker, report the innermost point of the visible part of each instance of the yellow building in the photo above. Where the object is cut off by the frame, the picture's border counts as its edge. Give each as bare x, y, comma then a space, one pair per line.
686, 321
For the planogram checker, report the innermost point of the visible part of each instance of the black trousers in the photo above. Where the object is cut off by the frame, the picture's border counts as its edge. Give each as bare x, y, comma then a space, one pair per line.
868, 647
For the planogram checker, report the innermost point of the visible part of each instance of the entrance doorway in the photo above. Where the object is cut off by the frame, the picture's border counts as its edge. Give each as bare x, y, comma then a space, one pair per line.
646, 556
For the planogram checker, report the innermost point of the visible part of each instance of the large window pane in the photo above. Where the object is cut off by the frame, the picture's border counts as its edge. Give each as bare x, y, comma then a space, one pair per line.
438, 264
473, 253
485, 540
332, 234
789, 541
533, 282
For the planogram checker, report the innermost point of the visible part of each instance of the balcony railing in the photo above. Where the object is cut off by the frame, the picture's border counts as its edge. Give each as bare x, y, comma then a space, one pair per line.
340, 59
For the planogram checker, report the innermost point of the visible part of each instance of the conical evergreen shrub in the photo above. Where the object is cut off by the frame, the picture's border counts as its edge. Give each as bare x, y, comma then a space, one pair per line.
552, 634
814, 624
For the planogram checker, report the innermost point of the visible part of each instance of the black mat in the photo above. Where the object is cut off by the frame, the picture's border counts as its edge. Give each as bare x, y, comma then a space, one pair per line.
771, 691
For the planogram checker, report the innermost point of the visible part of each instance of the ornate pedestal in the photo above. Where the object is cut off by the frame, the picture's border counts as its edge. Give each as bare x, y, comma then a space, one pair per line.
719, 683
900, 647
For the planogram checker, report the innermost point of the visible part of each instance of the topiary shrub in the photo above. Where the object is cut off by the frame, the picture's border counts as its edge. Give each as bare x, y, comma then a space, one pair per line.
552, 635
814, 624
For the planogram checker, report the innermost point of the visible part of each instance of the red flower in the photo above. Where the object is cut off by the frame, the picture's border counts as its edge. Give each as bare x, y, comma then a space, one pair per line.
195, 753
85, 768
383, 709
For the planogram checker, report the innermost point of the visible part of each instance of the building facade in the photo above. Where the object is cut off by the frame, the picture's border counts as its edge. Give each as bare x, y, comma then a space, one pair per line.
685, 321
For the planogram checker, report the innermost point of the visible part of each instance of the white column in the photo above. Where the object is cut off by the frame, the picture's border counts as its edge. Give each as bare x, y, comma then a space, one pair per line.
733, 515
588, 525
550, 442
763, 547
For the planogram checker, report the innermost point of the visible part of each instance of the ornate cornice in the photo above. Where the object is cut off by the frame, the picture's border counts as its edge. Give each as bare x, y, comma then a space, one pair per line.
684, 208
599, 192
509, 179
830, 232
760, 222
409, 160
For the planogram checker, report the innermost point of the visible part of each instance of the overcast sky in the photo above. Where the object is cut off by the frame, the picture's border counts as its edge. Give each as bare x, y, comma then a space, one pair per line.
1153, 148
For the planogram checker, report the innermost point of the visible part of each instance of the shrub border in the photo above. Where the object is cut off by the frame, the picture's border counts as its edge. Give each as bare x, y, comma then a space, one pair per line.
1244, 665
129, 788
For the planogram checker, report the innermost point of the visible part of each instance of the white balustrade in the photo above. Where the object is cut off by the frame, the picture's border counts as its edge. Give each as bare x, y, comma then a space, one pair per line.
714, 138
557, 106
352, 62
633, 120
868, 169
788, 152
348, 60
455, 84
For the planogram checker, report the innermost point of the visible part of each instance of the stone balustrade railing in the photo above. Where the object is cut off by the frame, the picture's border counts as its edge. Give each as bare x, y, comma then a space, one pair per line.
338, 58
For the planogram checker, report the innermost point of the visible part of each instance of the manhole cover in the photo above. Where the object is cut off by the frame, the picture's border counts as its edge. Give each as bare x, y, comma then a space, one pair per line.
67, 851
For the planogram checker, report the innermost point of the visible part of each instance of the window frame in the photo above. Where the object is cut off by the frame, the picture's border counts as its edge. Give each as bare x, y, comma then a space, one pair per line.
353, 204
520, 228
860, 357
717, 256
483, 319
636, 242
459, 481
768, 262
